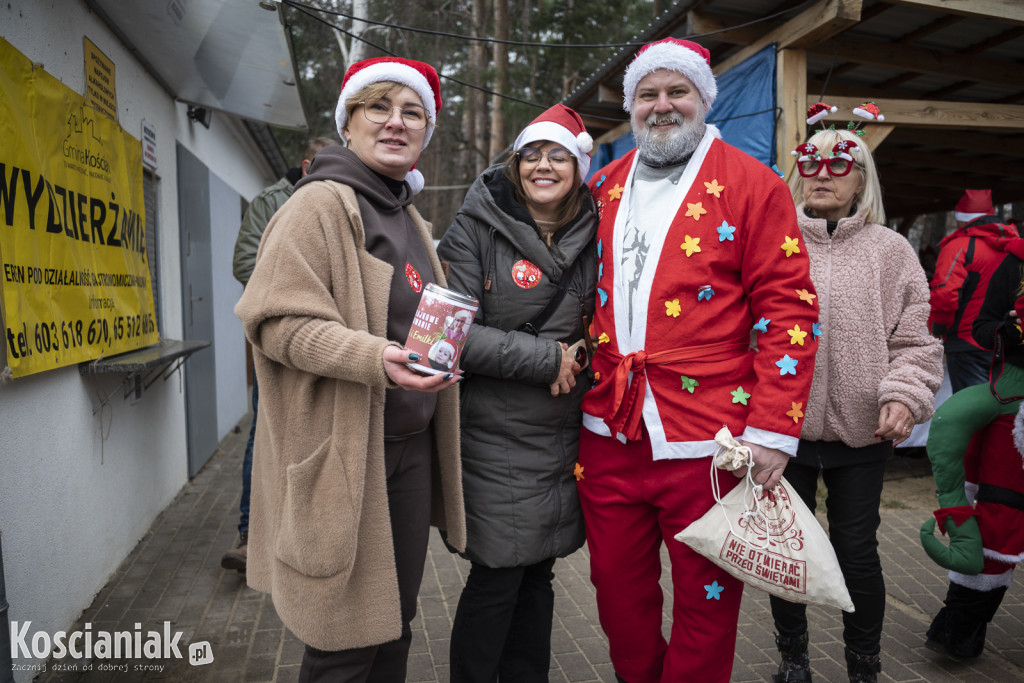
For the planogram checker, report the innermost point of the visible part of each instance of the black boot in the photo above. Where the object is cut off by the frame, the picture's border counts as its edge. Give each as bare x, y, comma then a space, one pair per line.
795, 665
959, 628
862, 668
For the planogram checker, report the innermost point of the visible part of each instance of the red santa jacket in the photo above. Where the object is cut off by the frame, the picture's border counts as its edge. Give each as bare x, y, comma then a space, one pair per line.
727, 270
967, 259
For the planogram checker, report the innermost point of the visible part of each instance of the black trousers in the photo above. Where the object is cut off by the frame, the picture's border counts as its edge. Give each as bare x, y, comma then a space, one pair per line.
502, 625
408, 480
853, 498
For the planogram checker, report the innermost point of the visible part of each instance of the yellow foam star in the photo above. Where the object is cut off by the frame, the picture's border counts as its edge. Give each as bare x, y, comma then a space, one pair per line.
796, 335
578, 471
695, 210
795, 412
673, 308
714, 188
791, 246
806, 296
615, 192
604, 338
690, 245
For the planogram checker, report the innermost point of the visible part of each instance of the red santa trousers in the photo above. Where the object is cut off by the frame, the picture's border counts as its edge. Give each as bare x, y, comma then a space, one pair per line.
631, 505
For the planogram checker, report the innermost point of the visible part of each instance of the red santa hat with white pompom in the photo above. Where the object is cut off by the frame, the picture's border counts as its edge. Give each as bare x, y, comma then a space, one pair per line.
869, 110
419, 76
817, 111
561, 125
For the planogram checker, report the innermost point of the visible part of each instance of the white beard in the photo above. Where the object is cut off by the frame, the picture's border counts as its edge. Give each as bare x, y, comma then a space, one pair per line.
665, 148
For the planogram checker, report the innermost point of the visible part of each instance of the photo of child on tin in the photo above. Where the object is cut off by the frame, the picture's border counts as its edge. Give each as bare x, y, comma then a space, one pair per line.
440, 355
457, 325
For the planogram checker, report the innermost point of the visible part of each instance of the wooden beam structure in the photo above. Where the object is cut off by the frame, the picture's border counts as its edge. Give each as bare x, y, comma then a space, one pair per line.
1003, 10
939, 114
815, 24
791, 95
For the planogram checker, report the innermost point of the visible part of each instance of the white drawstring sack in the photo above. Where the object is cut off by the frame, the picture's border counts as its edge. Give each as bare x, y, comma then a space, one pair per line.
769, 540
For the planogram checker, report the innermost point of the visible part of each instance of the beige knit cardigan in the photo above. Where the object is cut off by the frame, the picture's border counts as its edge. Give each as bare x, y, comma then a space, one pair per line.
315, 311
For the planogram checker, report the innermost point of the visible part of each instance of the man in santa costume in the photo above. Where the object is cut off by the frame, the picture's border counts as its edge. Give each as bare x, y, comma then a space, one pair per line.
967, 258
705, 316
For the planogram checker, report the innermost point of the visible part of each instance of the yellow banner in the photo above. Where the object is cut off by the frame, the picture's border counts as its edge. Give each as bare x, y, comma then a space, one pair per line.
72, 226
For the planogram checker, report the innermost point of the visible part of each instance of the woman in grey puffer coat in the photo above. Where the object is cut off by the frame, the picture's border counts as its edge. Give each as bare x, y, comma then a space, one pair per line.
524, 230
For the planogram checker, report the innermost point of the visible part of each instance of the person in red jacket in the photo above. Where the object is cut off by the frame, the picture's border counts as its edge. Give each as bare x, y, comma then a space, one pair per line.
967, 259
698, 249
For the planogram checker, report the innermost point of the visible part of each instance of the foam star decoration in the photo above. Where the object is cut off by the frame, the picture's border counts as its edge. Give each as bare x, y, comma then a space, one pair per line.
604, 338
695, 211
794, 412
725, 232
689, 384
791, 246
705, 293
690, 245
816, 331
599, 248
604, 296
600, 270
578, 471
714, 590
806, 296
601, 181
775, 167
597, 376
762, 325
615, 192
739, 396
673, 308
796, 335
787, 366
714, 188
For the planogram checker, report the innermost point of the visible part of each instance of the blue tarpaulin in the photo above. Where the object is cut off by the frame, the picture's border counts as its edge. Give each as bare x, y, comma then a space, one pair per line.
744, 111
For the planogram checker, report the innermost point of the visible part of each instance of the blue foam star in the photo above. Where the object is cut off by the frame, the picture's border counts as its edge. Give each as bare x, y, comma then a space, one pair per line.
816, 331
600, 270
705, 293
599, 183
775, 167
725, 232
599, 249
762, 325
714, 590
787, 366
604, 296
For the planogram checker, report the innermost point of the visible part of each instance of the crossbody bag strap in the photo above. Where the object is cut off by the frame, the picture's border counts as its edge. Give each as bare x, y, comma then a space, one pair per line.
538, 321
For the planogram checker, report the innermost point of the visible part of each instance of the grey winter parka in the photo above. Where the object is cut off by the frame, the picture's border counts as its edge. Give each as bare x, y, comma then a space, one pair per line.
519, 443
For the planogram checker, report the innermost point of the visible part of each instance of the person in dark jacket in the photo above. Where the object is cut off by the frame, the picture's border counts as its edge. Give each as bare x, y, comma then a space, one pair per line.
522, 245
967, 259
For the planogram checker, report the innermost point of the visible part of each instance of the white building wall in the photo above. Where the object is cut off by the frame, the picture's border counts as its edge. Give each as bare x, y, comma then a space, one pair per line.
84, 472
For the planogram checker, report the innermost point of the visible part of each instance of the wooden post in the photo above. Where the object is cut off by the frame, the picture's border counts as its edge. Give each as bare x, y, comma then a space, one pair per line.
791, 95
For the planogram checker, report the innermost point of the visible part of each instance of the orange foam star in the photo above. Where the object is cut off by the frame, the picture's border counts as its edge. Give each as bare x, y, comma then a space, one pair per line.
806, 296
795, 412
615, 192
695, 211
714, 188
578, 471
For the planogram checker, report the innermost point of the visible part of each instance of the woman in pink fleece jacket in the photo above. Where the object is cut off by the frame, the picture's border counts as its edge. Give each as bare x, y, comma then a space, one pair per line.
877, 370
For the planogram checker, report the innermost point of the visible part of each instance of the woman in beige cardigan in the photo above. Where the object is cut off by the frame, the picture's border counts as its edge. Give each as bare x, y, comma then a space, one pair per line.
876, 373
355, 454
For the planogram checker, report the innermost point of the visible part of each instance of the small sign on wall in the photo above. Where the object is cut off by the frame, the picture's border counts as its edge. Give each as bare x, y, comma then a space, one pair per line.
148, 145
100, 87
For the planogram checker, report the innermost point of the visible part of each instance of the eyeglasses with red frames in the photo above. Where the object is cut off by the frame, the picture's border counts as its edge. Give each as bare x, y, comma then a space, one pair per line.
837, 166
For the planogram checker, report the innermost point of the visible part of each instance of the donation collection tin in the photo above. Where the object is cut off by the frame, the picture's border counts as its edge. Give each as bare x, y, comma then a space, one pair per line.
439, 329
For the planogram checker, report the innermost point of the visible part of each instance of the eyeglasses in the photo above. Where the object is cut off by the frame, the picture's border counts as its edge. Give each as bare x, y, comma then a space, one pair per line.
556, 157
379, 111
836, 167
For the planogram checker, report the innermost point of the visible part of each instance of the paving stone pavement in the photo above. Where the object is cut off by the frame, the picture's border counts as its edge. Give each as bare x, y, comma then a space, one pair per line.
174, 575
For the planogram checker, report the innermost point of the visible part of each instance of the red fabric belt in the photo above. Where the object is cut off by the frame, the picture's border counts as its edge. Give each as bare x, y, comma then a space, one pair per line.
628, 393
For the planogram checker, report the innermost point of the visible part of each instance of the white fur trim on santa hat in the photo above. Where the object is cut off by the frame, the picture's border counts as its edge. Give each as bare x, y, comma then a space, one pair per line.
674, 58
554, 132
388, 71
967, 217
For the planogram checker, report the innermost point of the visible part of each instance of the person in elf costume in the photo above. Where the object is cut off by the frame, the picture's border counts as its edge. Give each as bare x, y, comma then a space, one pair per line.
976, 454
700, 259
